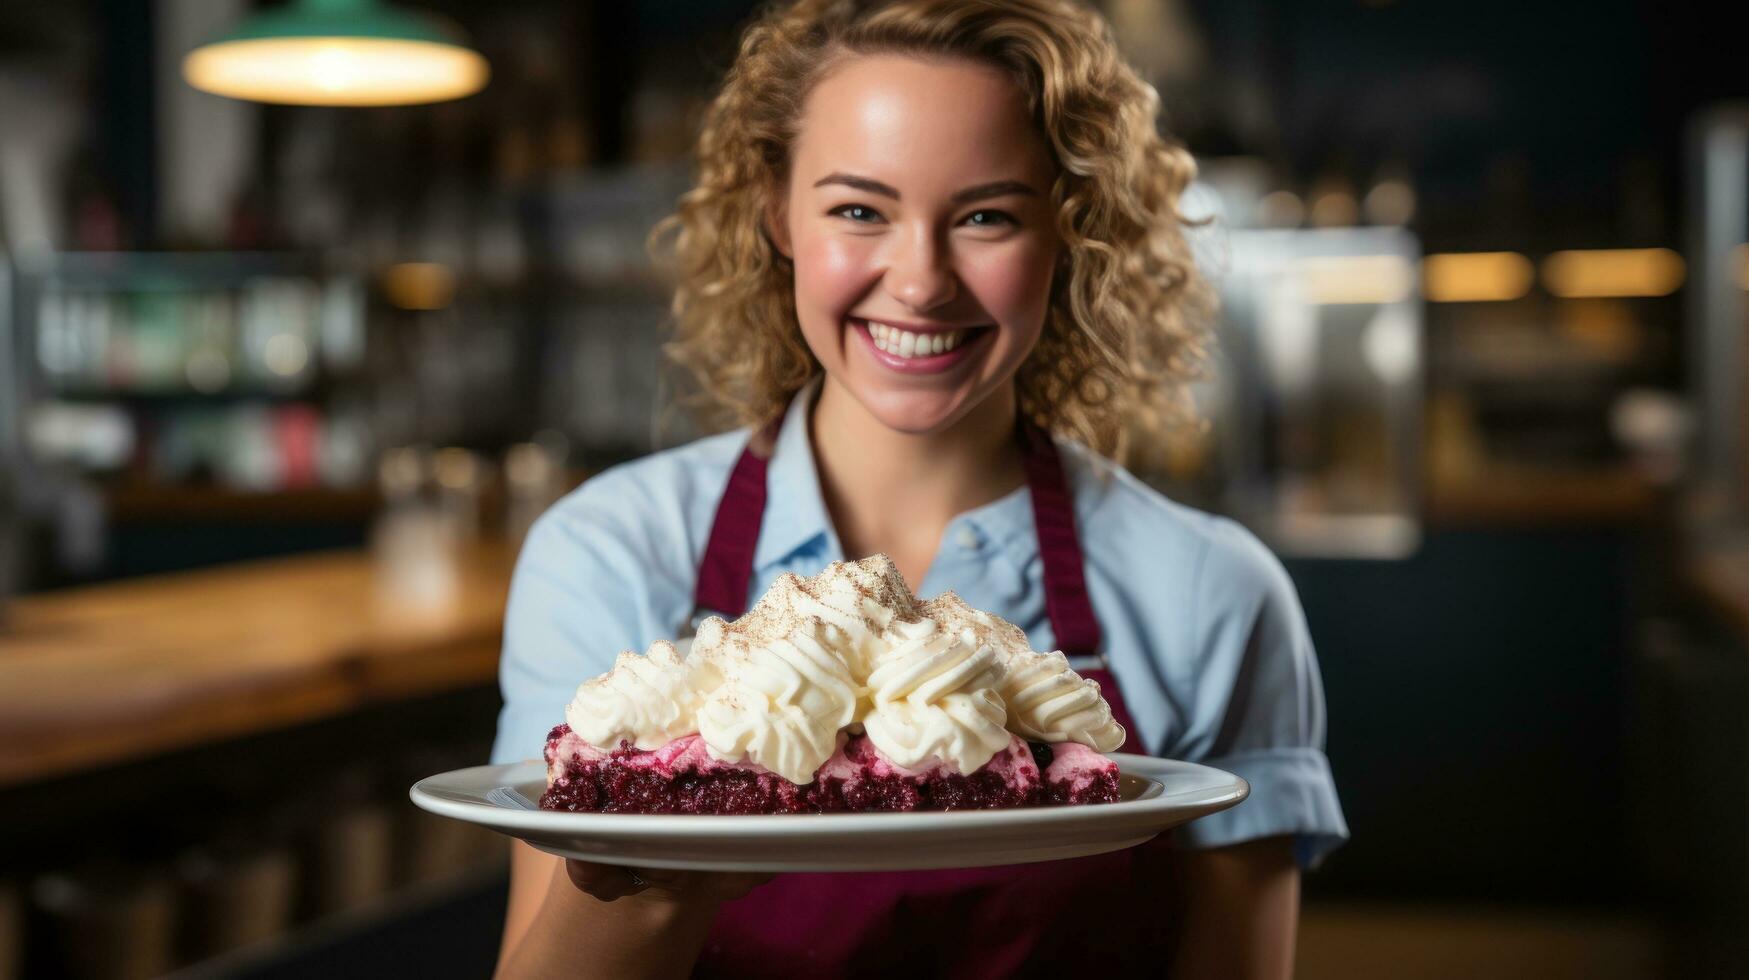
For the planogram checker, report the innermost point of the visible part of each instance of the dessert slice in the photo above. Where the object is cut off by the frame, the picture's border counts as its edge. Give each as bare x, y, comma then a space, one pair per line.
682, 777
837, 693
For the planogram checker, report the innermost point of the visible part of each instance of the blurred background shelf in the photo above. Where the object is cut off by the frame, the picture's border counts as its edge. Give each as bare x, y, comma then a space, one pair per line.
1718, 571
1506, 496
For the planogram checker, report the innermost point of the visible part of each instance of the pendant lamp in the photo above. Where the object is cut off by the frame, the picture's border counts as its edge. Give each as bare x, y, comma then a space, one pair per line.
338, 53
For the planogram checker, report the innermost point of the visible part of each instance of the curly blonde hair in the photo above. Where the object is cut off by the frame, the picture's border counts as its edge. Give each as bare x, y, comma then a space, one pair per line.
1127, 322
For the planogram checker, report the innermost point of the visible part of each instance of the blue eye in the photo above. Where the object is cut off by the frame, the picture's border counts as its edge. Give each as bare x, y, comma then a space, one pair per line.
993, 219
856, 212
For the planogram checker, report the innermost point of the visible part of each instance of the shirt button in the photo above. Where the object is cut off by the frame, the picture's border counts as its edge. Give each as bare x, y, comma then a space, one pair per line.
968, 539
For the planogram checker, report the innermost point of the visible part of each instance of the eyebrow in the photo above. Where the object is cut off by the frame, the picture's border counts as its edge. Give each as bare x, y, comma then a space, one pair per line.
977, 193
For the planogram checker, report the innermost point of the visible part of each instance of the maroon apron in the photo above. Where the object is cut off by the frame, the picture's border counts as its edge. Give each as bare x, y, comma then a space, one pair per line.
1103, 913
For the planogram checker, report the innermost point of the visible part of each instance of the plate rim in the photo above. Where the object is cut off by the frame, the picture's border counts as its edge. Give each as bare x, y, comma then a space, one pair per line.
649, 826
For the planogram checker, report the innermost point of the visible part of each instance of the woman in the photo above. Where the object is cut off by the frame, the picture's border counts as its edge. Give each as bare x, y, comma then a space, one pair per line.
924, 235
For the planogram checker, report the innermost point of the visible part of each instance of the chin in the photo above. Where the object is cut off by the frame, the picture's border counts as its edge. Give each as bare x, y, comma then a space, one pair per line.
914, 412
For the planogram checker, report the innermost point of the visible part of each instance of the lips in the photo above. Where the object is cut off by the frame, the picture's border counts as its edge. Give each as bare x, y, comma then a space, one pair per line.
919, 349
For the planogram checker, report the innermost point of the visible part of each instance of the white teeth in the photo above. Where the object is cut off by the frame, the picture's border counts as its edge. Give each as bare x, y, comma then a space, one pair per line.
906, 344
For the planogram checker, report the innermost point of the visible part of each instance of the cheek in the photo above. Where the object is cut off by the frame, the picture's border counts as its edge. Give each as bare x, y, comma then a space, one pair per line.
830, 271
832, 274
1014, 287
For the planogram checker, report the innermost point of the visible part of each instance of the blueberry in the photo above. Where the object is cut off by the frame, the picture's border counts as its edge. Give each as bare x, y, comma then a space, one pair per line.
1041, 754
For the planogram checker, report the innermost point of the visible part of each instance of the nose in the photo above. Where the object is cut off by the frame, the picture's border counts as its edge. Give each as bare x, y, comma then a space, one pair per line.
919, 271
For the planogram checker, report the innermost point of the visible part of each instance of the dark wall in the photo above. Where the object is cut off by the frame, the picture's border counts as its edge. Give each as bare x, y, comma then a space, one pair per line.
1477, 697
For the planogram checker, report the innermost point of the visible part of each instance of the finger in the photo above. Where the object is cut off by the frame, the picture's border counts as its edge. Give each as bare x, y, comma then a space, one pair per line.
603, 882
607, 883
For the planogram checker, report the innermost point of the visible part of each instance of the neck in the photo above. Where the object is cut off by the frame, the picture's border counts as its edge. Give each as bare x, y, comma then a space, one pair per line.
894, 492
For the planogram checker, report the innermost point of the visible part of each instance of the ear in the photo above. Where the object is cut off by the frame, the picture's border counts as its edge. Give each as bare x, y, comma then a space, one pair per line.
775, 223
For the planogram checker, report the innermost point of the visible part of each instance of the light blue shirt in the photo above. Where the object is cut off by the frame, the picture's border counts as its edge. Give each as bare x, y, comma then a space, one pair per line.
1202, 627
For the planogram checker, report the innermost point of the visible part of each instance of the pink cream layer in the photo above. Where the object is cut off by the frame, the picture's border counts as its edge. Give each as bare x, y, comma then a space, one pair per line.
685, 754
1075, 766
855, 759
858, 758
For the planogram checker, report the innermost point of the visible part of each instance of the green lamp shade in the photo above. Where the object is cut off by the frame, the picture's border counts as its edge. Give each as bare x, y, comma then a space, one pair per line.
338, 53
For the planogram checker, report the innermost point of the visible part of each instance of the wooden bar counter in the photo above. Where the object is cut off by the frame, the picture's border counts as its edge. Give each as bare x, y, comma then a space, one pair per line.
94, 676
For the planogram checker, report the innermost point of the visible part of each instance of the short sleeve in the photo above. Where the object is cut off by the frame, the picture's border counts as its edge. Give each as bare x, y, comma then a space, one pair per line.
574, 605
1258, 703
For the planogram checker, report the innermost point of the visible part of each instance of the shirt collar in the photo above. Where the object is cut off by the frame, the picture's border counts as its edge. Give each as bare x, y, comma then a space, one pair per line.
795, 509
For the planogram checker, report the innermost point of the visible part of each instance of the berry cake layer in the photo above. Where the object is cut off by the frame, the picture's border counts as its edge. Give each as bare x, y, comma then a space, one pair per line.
682, 777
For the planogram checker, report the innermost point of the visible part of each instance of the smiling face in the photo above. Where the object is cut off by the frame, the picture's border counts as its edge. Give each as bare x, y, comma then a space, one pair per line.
918, 219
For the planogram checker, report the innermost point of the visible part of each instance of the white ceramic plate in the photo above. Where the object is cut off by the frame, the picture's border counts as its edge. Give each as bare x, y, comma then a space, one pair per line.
1157, 794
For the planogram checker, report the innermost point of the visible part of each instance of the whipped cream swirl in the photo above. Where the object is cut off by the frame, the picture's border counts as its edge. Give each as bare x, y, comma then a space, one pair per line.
933, 697
647, 700
1049, 702
931, 683
781, 702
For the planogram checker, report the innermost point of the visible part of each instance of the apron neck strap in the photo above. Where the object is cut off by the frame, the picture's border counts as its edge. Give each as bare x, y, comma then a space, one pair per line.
1059, 546
726, 572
